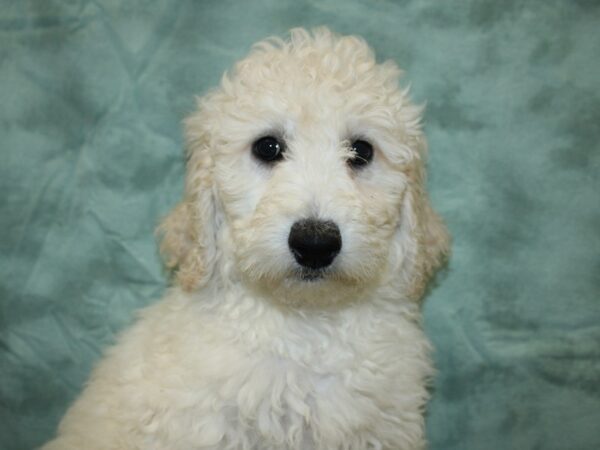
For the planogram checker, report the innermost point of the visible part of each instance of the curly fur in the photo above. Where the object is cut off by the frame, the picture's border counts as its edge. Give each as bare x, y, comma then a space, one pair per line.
242, 353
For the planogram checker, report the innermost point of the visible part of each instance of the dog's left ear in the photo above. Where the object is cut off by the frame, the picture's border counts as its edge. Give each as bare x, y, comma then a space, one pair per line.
187, 234
429, 234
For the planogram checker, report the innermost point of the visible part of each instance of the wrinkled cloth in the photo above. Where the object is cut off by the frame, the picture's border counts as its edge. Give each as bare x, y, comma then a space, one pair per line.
92, 96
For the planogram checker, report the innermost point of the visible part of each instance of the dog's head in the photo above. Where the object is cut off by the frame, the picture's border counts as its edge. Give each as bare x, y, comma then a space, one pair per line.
305, 177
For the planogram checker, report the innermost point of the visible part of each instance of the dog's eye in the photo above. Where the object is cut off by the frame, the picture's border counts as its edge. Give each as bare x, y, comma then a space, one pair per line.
362, 153
268, 149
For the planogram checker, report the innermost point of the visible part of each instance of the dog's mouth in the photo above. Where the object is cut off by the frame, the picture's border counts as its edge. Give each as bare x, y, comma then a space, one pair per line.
311, 275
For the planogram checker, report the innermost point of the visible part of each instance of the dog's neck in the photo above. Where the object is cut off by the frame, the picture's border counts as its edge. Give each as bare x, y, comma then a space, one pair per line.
263, 322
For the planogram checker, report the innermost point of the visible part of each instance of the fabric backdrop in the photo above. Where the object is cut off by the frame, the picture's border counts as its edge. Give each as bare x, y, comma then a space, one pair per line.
92, 96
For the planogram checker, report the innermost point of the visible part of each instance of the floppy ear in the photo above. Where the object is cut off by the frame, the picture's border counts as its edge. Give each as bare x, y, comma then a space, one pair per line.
429, 235
188, 232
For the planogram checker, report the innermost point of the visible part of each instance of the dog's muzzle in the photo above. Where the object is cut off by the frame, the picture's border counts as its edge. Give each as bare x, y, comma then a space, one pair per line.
315, 243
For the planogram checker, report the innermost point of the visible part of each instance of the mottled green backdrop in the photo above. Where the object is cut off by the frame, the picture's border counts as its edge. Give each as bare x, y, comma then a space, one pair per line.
92, 95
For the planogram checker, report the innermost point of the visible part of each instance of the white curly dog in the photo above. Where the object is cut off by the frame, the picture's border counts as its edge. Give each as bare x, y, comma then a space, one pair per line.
301, 248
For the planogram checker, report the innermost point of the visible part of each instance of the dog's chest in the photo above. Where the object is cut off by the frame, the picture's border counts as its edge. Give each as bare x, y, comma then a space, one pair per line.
320, 389
273, 402
232, 384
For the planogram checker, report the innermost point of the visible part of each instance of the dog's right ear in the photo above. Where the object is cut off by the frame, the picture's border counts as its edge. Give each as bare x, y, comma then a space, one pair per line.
187, 234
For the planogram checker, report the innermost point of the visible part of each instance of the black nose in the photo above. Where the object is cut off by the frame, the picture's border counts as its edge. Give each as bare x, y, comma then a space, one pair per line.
315, 243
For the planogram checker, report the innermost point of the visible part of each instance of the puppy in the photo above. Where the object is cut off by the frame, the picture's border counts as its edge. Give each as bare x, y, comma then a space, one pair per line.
300, 251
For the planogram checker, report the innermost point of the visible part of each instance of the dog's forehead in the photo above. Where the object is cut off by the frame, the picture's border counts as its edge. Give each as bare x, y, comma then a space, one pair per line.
296, 85
334, 90
298, 98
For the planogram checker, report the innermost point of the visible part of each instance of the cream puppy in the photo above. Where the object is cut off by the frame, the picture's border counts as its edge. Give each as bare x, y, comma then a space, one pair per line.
300, 251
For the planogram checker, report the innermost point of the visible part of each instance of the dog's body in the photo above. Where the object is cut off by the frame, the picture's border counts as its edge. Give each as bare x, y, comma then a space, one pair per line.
301, 249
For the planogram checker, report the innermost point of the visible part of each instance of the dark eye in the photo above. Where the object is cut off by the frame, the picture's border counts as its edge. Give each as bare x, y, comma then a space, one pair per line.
268, 149
362, 153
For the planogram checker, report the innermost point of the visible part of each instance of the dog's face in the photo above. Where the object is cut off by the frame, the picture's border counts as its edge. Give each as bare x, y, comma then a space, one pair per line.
308, 162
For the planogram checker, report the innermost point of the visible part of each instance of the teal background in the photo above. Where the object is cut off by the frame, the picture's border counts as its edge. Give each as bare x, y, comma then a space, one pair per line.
92, 95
